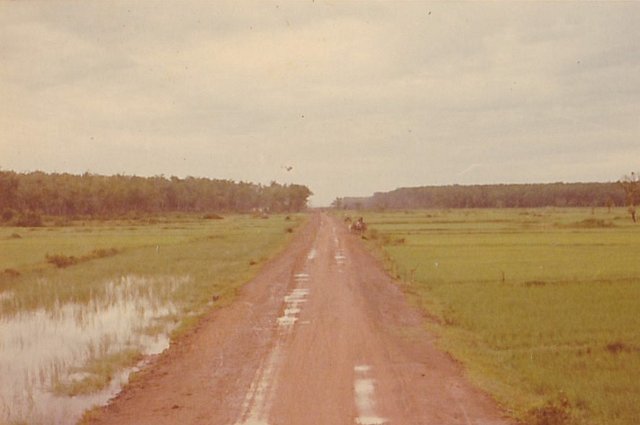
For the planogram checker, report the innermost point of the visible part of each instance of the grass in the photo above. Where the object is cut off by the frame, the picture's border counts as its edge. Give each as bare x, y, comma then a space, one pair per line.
218, 255
96, 374
191, 263
540, 305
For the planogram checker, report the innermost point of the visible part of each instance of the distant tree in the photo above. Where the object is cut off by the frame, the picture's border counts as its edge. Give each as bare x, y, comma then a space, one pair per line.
8, 189
298, 196
494, 196
609, 204
113, 196
631, 186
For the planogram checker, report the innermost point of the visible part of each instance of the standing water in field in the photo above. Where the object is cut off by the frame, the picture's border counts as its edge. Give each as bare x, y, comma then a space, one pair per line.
57, 361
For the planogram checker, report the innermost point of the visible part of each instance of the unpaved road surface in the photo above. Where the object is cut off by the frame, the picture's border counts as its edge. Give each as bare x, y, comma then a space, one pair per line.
321, 337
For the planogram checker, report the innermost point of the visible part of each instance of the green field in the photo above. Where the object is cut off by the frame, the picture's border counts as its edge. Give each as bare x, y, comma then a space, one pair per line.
113, 290
217, 255
542, 306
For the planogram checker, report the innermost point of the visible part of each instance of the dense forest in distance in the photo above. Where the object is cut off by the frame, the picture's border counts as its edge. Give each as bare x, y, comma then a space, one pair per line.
492, 196
69, 195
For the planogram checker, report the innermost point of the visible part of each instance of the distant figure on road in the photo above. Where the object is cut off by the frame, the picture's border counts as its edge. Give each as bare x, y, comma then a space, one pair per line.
358, 226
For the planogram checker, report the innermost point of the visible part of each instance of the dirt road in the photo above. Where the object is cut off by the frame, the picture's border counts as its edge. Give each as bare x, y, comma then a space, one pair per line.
322, 336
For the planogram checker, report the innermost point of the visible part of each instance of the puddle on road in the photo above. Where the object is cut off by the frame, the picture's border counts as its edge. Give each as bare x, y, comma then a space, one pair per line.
364, 389
257, 402
292, 307
258, 399
340, 256
47, 348
312, 254
301, 277
362, 369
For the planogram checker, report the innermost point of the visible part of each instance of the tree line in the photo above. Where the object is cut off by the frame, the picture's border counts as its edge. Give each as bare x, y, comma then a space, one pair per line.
94, 195
493, 196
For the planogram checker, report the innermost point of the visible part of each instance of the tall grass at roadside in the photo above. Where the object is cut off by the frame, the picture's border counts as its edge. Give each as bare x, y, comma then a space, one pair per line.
540, 305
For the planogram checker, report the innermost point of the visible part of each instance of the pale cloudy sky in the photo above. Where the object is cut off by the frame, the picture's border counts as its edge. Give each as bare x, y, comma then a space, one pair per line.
357, 96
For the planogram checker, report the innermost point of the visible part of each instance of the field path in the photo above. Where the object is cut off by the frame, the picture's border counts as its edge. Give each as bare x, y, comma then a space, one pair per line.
321, 337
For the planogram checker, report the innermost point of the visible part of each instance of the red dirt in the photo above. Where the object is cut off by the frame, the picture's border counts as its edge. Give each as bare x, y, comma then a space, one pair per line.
345, 348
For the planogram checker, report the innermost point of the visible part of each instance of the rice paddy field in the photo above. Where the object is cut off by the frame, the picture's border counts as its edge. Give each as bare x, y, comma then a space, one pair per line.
83, 305
542, 306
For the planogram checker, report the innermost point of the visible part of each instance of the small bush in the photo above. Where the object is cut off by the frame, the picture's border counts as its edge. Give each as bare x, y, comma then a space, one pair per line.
556, 412
61, 261
11, 273
399, 241
618, 347
212, 217
101, 253
592, 223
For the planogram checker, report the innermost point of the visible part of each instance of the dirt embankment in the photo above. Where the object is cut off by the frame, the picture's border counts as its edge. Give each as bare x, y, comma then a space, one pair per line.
321, 336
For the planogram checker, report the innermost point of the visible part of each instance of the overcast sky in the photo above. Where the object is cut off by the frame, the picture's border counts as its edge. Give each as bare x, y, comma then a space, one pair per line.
357, 97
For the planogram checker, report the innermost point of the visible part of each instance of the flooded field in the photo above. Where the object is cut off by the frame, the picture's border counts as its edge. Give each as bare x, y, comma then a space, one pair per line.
52, 359
82, 306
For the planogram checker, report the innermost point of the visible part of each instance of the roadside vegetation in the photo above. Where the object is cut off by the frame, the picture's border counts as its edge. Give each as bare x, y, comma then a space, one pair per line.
116, 290
540, 305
